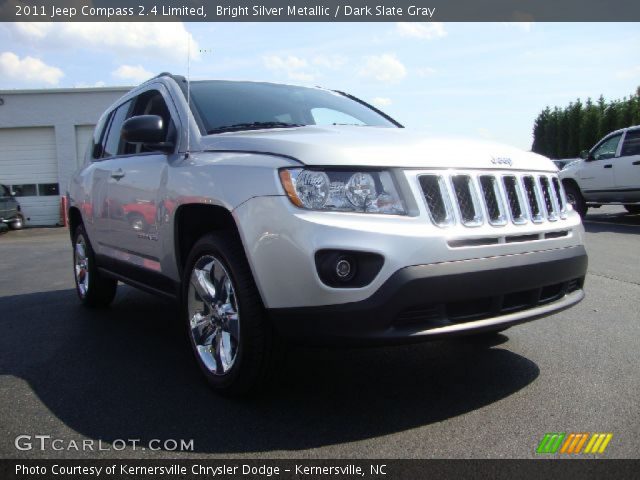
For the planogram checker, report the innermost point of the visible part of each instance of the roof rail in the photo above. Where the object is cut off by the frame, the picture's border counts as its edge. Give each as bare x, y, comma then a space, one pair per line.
177, 78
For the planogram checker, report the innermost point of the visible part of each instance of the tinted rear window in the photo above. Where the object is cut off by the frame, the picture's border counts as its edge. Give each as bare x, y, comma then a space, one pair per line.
631, 145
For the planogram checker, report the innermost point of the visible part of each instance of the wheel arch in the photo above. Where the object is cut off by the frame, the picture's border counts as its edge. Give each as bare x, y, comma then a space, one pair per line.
192, 221
572, 182
75, 219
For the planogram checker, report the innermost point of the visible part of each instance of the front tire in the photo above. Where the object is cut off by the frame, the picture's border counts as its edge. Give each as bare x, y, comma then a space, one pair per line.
17, 223
232, 339
575, 198
93, 289
632, 208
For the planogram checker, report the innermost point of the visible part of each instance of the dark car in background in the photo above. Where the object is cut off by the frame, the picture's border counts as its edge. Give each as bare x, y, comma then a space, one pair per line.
10, 213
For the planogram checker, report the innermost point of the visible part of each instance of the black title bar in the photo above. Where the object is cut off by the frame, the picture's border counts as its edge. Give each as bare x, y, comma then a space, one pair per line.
319, 10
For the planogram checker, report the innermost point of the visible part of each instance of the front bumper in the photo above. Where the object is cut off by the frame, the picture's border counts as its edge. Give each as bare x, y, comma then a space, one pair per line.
281, 242
423, 302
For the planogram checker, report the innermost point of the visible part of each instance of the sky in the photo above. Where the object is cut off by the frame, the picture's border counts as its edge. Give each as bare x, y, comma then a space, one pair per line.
478, 80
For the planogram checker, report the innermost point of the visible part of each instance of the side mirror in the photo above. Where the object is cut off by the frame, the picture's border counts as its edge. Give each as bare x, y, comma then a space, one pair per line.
584, 154
146, 129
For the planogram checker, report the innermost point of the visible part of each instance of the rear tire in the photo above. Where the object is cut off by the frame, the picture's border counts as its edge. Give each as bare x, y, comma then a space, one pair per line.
233, 341
17, 223
575, 198
93, 289
632, 208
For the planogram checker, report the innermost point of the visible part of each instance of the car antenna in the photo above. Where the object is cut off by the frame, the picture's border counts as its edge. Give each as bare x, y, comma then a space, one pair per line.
186, 155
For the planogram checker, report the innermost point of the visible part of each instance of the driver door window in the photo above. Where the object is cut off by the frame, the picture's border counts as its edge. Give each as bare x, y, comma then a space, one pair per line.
113, 144
608, 148
151, 103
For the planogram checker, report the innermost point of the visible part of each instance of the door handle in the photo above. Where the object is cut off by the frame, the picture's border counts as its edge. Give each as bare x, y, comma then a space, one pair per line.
608, 166
118, 174
637, 162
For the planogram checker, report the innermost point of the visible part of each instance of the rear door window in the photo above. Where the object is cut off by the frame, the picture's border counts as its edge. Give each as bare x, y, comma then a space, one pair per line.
631, 145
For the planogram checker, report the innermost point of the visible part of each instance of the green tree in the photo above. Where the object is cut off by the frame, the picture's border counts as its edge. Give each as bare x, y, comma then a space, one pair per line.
564, 132
635, 109
575, 118
551, 135
589, 131
608, 119
624, 117
539, 136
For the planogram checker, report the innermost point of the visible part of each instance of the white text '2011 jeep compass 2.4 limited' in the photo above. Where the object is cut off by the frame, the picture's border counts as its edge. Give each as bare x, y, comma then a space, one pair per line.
276, 212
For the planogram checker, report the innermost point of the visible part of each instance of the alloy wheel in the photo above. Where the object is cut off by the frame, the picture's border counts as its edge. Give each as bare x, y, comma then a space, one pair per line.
214, 320
81, 261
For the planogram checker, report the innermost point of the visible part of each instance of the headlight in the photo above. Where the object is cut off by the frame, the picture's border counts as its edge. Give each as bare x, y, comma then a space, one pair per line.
342, 191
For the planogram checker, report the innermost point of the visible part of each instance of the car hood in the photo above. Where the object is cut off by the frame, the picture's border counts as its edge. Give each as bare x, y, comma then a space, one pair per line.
571, 167
376, 147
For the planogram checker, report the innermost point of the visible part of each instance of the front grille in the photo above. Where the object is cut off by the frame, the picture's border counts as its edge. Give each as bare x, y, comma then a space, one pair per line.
438, 314
464, 197
473, 199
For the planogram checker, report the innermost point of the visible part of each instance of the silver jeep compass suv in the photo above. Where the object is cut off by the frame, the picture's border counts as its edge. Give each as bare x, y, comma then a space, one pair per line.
276, 212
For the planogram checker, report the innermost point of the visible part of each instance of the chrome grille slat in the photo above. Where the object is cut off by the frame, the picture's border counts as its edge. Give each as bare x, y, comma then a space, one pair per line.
473, 198
515, 198
493, 201
434, 190
464, 193
533, 198
559, 196
549, 201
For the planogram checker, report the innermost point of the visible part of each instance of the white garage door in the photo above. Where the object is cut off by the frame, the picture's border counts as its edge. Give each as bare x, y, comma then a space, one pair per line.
83, 135
28, 163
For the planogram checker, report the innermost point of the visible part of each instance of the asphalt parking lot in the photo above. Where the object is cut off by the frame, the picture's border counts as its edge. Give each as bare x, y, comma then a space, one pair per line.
126, 373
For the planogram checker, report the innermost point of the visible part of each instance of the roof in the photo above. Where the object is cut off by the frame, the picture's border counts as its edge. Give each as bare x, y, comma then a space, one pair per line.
620, 130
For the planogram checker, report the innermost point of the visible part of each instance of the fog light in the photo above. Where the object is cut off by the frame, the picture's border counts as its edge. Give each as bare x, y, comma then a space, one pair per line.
343, 269
347, 269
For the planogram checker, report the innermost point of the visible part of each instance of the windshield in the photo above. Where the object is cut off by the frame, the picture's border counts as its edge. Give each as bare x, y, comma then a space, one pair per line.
228, 106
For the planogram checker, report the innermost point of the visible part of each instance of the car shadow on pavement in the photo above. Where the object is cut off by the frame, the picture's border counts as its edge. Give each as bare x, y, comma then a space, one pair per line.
126, 372
612, 223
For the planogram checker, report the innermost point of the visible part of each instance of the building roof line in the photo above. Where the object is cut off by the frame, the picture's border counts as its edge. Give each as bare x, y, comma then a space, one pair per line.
66, 90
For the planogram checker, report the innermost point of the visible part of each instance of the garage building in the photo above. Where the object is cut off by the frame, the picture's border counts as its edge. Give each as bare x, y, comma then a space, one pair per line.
43, 137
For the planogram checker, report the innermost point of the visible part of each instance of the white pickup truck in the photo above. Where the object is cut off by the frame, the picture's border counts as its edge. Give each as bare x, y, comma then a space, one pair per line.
609, 173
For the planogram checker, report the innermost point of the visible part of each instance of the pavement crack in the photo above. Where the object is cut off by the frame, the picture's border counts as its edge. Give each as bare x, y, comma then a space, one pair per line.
613, 278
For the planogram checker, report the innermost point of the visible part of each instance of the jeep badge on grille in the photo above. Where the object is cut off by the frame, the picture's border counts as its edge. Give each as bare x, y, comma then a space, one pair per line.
501, 161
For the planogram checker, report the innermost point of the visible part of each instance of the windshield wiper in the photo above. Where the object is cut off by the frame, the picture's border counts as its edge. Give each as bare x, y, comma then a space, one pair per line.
252, 126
